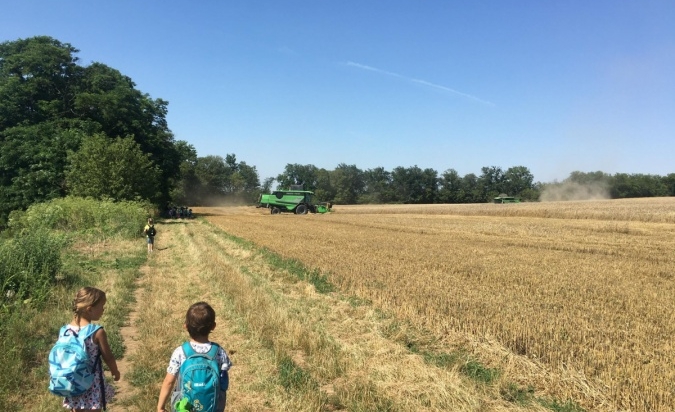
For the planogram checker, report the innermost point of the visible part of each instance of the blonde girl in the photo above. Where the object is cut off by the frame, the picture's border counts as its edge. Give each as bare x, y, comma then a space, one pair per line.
87, 308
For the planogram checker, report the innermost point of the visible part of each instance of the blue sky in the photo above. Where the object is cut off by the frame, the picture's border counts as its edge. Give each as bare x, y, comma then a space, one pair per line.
555, 86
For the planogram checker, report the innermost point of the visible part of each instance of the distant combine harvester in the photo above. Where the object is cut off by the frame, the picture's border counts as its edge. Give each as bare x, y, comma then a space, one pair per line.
295, 200
504, 198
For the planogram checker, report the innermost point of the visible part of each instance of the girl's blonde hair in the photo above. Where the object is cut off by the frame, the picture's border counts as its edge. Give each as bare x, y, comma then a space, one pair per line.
86, 297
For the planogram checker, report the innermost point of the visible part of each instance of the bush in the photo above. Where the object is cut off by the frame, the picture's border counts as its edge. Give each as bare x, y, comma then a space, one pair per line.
103, 218
29, 265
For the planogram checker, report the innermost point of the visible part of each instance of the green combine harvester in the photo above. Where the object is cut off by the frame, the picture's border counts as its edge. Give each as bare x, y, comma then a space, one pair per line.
504, 198
299, 202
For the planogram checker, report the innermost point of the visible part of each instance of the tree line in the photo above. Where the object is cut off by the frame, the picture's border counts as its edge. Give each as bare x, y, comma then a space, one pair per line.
68, 129
347, 184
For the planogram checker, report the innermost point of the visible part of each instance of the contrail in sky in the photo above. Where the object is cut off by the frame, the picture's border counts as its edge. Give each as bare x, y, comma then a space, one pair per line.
424, 82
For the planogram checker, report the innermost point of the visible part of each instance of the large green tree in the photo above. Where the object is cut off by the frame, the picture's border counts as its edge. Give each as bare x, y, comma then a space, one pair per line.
38, 81
490, 183
348, 183
377, 186
471, 189
214, 176
324, 191
32, 164
297, 174
625, 185
414, 185
49, 104
216, 179
669, 181
185, 190
451, 189
117, 169
517, 180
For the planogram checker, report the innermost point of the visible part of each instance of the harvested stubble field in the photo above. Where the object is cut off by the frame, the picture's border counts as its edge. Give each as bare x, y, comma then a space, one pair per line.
574, 299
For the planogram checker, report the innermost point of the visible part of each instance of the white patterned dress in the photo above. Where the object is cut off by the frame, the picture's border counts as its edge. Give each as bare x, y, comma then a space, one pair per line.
91, 399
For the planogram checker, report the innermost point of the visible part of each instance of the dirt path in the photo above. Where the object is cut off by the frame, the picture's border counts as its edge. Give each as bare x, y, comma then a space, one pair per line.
124, 388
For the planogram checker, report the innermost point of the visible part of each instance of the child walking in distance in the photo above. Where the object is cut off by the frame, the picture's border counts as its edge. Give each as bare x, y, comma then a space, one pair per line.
88, 306
150, 232
197, 377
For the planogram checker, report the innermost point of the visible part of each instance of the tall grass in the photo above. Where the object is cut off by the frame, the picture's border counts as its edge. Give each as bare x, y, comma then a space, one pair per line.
48, 252
28, 267
103, 219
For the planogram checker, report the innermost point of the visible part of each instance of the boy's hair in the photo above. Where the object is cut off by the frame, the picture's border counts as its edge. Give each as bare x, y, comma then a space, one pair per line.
149, 220
85, 297
200, 319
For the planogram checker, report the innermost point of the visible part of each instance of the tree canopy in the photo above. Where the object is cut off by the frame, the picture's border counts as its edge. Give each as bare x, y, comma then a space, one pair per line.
50, 105
112, 170
214, 179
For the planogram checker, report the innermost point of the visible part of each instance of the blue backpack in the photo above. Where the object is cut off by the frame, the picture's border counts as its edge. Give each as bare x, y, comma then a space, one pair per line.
199, 383
70, 369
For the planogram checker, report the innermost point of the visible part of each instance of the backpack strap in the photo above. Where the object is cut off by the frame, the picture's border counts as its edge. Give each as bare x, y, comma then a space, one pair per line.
213, 351
89, 330
189, 351
82, 334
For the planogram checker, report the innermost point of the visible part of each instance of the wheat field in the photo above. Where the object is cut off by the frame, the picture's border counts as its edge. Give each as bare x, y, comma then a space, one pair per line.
572, 298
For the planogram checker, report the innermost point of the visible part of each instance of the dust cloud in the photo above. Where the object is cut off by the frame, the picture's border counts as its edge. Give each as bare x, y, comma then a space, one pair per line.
227, 201
555, 192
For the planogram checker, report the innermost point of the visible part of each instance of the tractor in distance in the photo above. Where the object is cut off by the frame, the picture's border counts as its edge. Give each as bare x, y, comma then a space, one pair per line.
504, 198
295, 201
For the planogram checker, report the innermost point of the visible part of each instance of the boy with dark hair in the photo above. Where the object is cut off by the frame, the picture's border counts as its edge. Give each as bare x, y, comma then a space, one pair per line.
196, 361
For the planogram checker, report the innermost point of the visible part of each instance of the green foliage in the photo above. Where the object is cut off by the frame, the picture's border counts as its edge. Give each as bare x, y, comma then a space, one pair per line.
293, 377
297, 174
32, 164
49, 103
299, 270
637, 185
29, 265
35, 80
26, 334
325, 190
669, 182
348, 183
490, 183
517, 394
103, 219
213, 180
518, 180
558, 406
28, 325
451, 189
413, 185
478, 372
117, 169
378, 187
